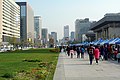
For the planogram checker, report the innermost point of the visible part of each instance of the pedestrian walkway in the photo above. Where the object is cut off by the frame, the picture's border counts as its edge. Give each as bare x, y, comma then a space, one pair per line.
79, 69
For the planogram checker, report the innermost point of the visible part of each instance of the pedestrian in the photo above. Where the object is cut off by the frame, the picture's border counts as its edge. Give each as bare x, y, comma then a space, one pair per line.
115, 53
72, 52
101, 52
75, 51
68, 50
60, 48
78, 52
109, 52
96, 54
82, 52
106, 53
91, 53
118, 57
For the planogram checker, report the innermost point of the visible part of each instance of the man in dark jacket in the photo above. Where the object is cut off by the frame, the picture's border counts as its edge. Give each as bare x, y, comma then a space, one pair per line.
78, 52
91, 53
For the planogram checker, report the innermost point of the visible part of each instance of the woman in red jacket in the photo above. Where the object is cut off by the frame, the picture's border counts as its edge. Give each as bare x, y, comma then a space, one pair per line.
96, 54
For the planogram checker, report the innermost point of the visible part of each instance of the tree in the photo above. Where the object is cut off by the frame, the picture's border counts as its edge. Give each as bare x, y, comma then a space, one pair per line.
13, 41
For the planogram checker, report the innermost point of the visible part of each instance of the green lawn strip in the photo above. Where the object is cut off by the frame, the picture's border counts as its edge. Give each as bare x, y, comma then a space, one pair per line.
13, 62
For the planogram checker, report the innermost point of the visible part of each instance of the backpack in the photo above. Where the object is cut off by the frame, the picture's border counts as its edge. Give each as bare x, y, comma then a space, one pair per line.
82, 50
91, 51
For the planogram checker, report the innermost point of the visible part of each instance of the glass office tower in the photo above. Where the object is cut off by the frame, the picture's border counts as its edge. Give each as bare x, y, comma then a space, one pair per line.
26, 22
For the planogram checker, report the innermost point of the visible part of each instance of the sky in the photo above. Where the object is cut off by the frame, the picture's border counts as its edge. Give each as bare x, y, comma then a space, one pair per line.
58, 13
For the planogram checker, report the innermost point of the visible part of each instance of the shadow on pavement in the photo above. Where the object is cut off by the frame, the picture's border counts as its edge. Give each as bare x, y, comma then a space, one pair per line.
114, 62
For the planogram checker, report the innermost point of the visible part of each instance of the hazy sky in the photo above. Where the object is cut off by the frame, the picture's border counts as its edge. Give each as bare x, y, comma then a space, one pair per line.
58, 13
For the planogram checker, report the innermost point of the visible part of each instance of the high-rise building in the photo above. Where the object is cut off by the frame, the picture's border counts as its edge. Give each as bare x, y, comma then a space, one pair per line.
26, 22
54, 36
72, 36
37, 28
9, 20
81, 27
66, 33
44, 35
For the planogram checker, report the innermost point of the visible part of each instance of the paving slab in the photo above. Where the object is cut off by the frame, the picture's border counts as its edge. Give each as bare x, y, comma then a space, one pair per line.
79, 69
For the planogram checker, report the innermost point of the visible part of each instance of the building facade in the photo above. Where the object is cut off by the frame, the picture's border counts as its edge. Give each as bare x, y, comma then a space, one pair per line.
90, 36
72, 36
81, 27
44, 36
37, 28
66, 33
54, 36
108, 27
9, 21
26, 22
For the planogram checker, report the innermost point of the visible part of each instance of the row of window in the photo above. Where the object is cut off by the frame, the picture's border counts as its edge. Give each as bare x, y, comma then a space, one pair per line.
10, 5
8, 34
14, 11
12, 25
12, 31
11, 14
12, 19
16, 29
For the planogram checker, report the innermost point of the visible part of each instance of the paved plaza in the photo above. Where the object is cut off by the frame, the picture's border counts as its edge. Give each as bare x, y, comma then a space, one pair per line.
79, 69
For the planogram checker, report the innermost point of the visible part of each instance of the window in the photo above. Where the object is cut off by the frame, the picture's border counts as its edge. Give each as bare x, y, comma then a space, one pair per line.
23, 10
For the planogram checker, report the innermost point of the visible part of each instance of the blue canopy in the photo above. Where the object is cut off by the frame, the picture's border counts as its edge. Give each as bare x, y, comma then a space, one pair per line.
93, 42
107, 42
104, 41
86, 43
98, 42
115, 40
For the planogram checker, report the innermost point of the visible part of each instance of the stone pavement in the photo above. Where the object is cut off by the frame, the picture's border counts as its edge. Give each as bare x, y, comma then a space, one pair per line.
79, 69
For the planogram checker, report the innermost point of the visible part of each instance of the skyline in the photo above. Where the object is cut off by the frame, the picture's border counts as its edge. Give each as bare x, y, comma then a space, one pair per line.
57, 14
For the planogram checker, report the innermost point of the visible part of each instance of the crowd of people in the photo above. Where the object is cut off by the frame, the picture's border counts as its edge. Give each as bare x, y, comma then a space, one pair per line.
96, 52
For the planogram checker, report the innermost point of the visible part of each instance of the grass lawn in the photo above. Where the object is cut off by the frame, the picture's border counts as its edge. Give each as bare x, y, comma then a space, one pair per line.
38, 64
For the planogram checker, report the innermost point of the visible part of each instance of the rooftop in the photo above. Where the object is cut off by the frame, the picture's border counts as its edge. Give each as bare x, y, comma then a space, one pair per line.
108, 18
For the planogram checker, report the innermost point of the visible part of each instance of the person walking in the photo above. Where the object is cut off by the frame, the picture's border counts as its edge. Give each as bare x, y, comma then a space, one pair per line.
106, 52
101, 52
72, 52
115, 53
75, 51
91, 53
68, 50
96, 54
78, 52
82, 52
